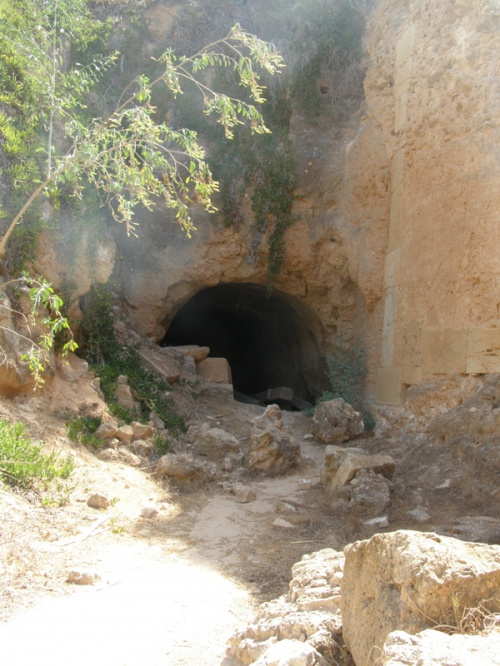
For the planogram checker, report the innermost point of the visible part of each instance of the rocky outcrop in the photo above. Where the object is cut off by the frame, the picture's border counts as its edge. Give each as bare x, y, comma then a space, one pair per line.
410, 581
308, 616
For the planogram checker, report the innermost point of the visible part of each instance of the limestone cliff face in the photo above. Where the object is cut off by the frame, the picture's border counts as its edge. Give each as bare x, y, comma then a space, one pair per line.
397, 212
433, 90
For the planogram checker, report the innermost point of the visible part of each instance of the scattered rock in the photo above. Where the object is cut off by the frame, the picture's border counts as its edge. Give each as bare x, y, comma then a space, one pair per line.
150, 511
156, 421
97, 501
141, 430
128, 457
125, 434
367, 494
334, 457
279, 522
377, 523
165, 361
290, 652
108, 454
194, 351
335, 421
214, 443
272, 448
143, 448
435, 648
215, 370
106, 431
354, 463
419, 514
83, 578
243, 494
123, 395
182, 468
407, 581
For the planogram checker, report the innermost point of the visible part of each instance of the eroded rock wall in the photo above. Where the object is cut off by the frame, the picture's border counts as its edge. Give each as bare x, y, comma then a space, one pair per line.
396, 216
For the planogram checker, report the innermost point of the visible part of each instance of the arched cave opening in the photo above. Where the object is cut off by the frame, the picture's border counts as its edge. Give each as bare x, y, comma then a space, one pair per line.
270, 341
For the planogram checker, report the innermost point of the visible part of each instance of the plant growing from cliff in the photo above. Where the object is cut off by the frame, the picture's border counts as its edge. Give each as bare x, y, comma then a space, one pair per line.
109, 359
44, 300
346, 370
130, 157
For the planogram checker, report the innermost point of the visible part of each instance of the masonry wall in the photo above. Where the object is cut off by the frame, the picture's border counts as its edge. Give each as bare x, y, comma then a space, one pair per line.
434, 89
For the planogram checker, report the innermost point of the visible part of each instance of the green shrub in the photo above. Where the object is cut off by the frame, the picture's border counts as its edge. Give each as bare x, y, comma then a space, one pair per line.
81, 429
346, 372
162, 444
109, 359
22, 462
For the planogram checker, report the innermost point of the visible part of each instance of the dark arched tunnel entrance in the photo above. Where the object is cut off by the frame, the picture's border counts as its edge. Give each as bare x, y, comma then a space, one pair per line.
270, 341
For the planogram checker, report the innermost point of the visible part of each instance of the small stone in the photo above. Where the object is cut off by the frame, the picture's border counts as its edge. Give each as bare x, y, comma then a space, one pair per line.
83, 578
228, 466
142, 448
122, 379
108, 454
156, 421
128, 457
97, 501
279, 522
141, 431
150, 511
124, 396
243, 494
125, 434
106, 431
305, 484
419, 514
379, 522
309, 436
444, 485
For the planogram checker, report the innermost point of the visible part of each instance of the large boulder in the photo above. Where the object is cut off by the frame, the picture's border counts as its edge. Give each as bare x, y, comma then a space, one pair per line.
335, 421
409, 581
272, 448
435, 648
214, 443
184, 470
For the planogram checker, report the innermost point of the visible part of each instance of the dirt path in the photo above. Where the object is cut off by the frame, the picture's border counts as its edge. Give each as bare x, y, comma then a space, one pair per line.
173, 589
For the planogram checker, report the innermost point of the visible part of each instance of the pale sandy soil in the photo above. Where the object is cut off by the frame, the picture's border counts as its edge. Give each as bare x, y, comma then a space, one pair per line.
172, 589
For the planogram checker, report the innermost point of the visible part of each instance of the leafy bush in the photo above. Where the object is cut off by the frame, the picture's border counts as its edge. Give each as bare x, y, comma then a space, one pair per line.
81, 429
109, 359
346, 372
22, 462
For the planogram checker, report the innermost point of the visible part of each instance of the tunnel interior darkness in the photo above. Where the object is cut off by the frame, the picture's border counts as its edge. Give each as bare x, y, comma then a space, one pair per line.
269, 340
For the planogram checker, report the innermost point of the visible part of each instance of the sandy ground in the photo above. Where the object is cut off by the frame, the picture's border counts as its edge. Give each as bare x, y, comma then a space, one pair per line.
171, 590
